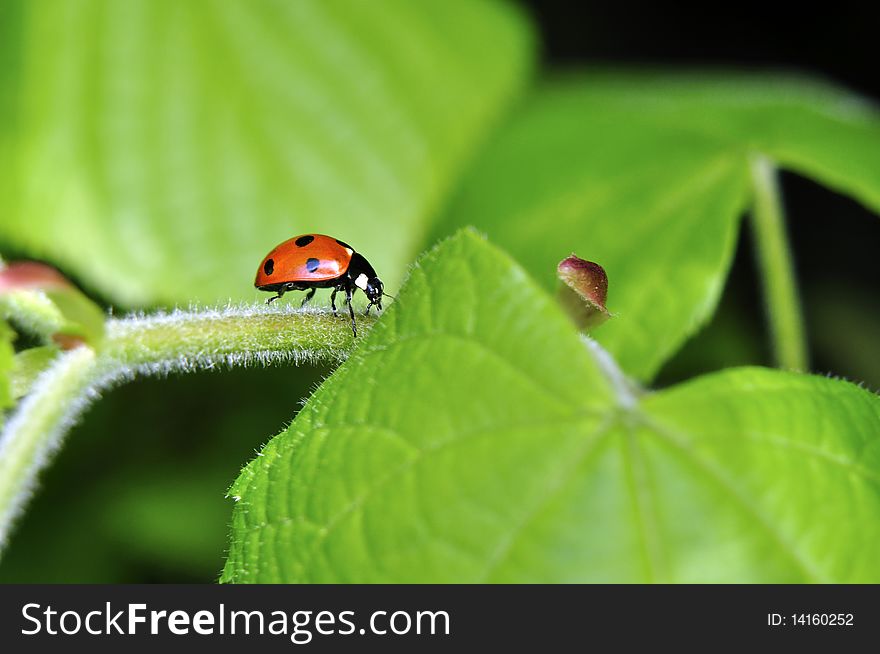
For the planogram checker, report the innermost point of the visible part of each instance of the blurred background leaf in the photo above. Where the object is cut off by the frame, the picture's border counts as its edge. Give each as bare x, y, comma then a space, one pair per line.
513, 453
647, 174
157, 150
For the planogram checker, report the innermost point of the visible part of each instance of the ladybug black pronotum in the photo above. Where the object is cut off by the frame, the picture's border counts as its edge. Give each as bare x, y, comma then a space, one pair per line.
313, 261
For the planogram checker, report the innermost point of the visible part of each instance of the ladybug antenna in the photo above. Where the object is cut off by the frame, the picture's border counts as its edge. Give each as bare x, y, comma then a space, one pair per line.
388, 295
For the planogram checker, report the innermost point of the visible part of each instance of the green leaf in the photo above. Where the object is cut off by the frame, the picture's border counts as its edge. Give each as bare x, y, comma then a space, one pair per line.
647, 175
476, 436
159, 149
755, 475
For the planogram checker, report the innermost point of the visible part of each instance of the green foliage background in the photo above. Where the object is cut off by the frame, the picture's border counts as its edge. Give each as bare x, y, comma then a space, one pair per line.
158, 149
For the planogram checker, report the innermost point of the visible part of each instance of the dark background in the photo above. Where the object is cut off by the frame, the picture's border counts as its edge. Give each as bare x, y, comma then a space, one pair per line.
835, 39
94, 520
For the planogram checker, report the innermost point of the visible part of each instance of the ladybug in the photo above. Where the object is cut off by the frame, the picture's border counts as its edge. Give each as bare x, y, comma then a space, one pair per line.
313, 261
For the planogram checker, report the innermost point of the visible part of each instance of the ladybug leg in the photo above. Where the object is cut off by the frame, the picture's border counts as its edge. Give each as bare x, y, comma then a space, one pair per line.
351, 311
377, 304
308, 297
275, 297
333, 300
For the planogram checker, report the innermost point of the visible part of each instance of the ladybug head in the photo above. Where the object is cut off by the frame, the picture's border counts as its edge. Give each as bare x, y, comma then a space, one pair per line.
375, 290
372, 286
365, 278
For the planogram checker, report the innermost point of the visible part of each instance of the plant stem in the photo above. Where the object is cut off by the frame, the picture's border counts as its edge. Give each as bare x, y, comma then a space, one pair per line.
782, 304
180, 341
233, 336
34, 432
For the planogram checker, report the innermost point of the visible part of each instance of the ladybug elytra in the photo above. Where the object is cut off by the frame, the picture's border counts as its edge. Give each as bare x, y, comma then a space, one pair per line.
312, 261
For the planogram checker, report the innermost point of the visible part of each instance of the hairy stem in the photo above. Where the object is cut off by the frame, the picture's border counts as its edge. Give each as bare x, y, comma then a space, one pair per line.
232, 336
34, 432
180, 341
782, 304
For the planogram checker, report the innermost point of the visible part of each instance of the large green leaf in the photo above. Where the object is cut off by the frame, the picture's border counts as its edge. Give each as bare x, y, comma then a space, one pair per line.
648, 174
159, 149
475, 436
760, 475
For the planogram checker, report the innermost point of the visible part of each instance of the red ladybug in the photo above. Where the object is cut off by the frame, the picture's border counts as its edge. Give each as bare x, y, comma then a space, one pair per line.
314, 261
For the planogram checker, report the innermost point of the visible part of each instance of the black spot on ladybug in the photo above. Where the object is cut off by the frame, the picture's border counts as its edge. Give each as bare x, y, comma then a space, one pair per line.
303, 241
269, 266
344, 244
312, 264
